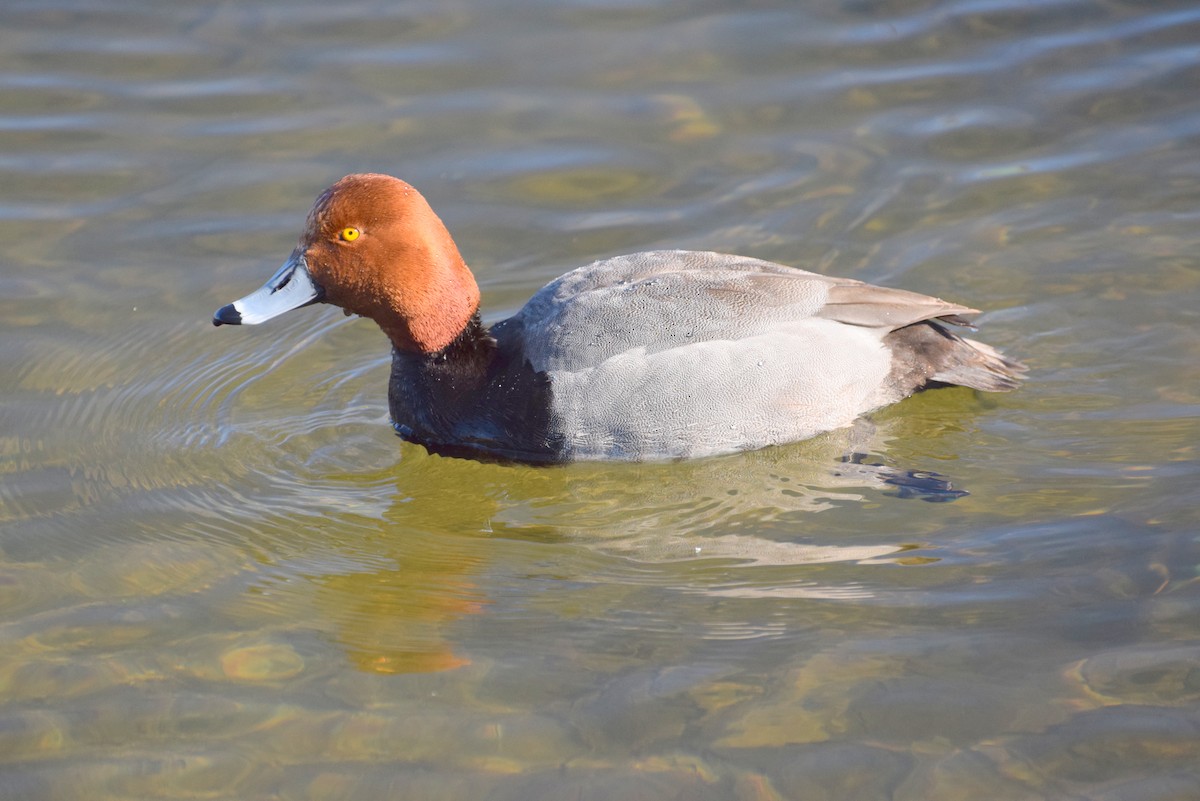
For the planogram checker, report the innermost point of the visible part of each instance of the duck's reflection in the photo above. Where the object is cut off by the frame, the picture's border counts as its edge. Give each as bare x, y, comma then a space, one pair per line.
439, 541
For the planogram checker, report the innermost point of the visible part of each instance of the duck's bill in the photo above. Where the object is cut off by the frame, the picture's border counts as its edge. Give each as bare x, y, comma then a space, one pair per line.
289, 288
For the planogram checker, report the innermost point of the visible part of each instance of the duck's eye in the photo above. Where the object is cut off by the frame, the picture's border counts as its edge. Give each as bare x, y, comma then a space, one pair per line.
349, 234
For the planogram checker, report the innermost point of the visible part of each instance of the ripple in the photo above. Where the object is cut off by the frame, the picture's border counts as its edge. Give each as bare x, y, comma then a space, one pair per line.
153, 421
217, 560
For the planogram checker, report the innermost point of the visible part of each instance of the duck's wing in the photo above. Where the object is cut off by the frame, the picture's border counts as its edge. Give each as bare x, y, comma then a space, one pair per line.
855, 303
659, 300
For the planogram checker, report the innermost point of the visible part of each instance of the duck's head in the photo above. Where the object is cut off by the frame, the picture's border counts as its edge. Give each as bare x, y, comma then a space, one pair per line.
374, 247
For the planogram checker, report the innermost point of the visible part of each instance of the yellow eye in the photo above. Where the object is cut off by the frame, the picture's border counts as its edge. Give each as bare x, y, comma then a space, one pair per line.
349, 234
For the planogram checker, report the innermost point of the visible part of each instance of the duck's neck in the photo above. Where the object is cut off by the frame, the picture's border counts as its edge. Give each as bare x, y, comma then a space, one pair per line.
438, 302
473, 343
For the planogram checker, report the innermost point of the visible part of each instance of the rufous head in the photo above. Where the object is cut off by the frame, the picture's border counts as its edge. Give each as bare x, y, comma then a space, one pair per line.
373, 246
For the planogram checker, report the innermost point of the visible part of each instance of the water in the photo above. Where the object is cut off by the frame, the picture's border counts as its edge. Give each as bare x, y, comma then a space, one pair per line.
222, 576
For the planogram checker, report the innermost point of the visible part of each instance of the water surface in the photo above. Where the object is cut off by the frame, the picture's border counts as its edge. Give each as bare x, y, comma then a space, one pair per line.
222, 576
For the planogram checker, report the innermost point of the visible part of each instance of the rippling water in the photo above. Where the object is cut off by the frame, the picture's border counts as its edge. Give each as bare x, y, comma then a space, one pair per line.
222, 576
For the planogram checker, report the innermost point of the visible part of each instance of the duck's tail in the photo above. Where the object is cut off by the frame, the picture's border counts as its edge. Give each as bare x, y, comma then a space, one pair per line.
969, 363
928, 354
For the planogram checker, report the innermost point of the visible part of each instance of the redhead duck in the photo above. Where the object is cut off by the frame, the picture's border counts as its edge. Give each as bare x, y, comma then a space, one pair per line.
654, 355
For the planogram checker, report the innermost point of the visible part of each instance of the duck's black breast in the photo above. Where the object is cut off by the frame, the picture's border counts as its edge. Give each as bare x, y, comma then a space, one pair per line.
478, 397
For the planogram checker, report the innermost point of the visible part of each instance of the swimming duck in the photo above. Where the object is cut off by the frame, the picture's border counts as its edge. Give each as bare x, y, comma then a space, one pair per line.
656, 355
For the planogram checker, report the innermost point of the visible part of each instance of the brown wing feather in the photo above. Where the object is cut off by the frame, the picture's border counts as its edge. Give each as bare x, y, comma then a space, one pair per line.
856, 303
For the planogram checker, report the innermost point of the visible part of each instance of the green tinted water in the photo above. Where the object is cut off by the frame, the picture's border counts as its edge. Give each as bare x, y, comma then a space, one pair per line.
222, 576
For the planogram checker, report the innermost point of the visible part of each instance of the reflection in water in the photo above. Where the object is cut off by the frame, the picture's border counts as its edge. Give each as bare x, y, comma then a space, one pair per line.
393, 621
402, 580
397, 618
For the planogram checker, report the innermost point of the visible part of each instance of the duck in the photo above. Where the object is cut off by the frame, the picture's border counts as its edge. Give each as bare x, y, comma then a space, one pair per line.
658, 355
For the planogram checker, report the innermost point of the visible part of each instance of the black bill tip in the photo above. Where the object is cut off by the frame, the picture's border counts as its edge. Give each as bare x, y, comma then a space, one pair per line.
227, 315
